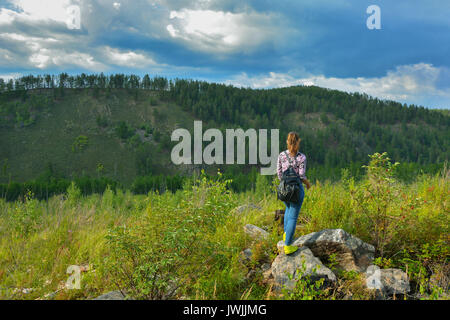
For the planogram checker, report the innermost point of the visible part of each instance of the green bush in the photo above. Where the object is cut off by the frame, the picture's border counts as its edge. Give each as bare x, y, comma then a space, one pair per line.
73, 194
153, 101
135, 141
80, 143
375, 201
102, 121
171, 246
124, 131
26, 215
428, 269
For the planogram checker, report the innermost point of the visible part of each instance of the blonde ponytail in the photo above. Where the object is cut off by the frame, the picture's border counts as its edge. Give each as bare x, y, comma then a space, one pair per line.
293, 143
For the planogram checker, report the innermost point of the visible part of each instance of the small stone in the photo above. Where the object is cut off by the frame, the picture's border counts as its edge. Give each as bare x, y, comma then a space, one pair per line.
246, 256
255, 232
387, 281
265, 267
112, 295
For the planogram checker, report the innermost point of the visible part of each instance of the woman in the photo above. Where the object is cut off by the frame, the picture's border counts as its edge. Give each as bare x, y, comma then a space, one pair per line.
298, 161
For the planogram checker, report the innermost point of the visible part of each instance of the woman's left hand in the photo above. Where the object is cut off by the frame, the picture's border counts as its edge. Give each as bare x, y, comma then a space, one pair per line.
308, 185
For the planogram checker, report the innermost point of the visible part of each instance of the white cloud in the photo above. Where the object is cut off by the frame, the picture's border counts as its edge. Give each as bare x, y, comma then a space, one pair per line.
127, 58
6, 16
27, 39
417, 83
79, 59
6, 58
41, 59
51, 47
221, 32
273, 80
46, 58
8, 76
55, 10
45, 52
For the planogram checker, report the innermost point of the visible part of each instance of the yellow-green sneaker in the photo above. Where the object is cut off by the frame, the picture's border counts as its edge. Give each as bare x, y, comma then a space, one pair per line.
290, 249
284, 236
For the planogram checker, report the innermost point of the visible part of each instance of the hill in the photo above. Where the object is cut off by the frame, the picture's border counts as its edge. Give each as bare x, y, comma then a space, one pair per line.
119, 126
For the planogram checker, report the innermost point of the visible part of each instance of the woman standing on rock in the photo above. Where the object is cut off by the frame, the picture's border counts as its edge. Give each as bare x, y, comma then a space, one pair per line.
298, 161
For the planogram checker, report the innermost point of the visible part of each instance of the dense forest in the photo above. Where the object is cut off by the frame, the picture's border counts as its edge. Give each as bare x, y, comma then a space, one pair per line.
338, 130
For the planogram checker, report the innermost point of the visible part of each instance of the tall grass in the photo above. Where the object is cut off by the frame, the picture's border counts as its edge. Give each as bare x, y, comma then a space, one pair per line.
187, 244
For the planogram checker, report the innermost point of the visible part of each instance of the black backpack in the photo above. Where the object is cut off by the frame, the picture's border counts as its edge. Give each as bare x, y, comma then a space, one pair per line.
289, 189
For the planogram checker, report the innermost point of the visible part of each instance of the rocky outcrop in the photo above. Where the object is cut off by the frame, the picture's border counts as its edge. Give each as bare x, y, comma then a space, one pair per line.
352, 254
255, 232
387, 281
286, 270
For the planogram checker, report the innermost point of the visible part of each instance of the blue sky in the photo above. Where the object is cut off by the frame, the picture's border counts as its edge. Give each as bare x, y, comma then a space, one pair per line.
259, 44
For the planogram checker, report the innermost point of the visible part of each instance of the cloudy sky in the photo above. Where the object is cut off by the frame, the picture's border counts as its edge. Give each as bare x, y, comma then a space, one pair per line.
254, 43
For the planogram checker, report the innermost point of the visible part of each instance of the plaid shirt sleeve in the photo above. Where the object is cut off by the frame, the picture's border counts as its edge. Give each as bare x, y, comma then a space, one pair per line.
302, 167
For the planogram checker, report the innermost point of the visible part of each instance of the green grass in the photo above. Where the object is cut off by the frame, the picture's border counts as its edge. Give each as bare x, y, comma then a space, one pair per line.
194, 238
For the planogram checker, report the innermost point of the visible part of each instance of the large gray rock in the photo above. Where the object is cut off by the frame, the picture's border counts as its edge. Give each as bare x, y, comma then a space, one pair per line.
255, 232
387, 281
292, 265
352, 254
112, 295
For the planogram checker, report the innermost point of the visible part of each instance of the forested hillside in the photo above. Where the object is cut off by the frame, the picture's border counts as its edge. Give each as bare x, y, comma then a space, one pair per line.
117, 128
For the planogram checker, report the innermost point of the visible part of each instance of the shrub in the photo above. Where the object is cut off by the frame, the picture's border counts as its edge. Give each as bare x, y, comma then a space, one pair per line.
108, 198
102, 121
153, 101
171, 247
73, 194
428, 269
324, 119
135, 141
80, 143
26, 215
124, 131
375, 199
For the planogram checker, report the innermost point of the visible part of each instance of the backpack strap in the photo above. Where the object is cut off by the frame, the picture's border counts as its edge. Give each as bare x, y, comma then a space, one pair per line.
289, 159
290, 162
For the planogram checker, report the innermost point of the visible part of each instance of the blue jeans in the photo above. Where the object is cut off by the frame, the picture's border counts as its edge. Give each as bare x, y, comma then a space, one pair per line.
291, 215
